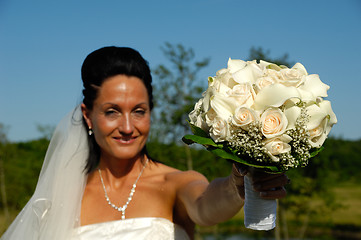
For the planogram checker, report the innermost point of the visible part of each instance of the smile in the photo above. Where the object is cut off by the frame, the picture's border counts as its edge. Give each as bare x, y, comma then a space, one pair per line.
125, 140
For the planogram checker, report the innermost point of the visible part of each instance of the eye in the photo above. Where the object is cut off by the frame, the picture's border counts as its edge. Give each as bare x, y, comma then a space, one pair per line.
140, 112
111, 113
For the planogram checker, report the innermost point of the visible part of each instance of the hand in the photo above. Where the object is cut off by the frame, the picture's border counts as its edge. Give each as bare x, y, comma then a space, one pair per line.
270, 186
238, 173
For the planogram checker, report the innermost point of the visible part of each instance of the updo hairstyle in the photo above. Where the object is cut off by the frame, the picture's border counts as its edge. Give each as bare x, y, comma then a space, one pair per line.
102, 64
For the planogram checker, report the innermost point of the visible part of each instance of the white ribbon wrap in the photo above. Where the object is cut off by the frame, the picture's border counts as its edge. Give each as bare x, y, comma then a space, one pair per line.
259, 214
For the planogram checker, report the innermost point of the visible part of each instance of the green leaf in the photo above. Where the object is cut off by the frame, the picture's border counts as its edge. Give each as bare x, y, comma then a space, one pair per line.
205, 141
316, 151
220, 149
197, 131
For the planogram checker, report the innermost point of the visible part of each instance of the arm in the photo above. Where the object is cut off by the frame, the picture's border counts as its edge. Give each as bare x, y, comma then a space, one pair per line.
211, 203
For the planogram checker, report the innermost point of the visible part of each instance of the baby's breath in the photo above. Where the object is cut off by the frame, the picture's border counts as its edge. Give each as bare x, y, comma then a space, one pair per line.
249, 144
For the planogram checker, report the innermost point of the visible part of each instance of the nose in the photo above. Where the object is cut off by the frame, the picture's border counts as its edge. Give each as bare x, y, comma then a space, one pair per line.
126, 125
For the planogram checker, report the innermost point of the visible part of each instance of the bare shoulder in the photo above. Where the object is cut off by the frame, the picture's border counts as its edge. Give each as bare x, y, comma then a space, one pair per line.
178, 177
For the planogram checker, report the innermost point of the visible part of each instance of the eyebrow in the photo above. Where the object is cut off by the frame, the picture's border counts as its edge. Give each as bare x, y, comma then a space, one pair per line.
117, 106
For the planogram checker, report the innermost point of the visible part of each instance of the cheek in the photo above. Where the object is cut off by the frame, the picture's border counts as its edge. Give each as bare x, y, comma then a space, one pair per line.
145, 126
103, 128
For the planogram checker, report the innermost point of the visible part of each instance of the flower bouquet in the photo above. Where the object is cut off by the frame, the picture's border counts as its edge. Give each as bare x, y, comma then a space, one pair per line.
265, 116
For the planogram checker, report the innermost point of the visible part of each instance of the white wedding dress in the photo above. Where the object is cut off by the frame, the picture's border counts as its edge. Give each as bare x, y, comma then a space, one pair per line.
53, 212
147, 228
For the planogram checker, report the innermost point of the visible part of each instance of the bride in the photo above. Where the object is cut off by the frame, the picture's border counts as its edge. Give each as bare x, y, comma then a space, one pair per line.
98, 181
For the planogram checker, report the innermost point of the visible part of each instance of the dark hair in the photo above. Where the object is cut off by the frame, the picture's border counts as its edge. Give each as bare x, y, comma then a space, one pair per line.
102, 64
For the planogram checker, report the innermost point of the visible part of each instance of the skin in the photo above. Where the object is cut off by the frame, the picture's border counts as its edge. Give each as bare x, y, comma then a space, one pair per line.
120, 120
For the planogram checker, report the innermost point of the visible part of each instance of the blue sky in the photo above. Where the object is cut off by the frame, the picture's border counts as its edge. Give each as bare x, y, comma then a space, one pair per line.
43, 44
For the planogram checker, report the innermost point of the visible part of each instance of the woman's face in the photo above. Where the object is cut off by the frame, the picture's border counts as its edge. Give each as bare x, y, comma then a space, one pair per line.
120, 118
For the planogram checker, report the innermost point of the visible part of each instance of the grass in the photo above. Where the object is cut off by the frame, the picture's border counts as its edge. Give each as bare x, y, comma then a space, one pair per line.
349, 194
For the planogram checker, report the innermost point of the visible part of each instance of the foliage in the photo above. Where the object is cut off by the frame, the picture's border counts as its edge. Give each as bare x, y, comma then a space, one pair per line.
260, 54
22, 164
175, 89
46, 131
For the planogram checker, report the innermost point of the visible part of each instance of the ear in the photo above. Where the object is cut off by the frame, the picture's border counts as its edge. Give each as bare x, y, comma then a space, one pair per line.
86, 115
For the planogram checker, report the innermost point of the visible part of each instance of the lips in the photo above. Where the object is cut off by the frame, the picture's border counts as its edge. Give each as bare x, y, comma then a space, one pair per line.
125, 140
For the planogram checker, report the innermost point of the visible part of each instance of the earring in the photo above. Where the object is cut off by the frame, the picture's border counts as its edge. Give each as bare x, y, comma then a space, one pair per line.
90, 131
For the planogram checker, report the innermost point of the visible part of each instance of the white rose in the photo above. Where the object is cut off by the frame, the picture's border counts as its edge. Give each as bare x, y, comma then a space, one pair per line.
210, 116
322, 118
291, 77
276, 146
264, 82
196, 116
294, 76
243, 93
196, 111
274, 123
219, 130
243, 116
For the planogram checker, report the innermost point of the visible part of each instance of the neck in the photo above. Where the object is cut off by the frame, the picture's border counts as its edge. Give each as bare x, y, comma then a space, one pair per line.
117, 171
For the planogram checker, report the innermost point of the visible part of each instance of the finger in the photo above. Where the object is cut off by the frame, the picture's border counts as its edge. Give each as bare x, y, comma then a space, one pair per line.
274, 194
271, 183
263, 176
241, 169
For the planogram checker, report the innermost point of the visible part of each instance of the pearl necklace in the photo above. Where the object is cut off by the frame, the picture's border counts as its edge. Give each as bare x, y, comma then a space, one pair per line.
132, 191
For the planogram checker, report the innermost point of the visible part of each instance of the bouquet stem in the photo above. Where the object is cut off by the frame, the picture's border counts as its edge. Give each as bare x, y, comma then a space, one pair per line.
259, 214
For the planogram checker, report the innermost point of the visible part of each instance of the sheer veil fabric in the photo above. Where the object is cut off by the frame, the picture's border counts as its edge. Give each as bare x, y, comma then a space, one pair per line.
54, 209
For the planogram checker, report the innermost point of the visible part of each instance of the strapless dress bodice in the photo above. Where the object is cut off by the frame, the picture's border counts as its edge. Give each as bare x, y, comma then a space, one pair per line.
134, 228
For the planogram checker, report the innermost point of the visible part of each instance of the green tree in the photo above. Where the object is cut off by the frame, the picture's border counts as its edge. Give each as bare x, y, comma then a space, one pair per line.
260, 54
46, 131
176, 90
3, 144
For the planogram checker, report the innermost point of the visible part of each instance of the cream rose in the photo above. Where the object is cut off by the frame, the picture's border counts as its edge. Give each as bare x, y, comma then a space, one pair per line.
243, 93
196, 116
219, 130
291, 77
243, 116
264, 82
274, 122
276, 146
294, 76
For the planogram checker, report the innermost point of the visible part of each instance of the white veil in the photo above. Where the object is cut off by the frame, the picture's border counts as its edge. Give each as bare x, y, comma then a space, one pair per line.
54, 209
